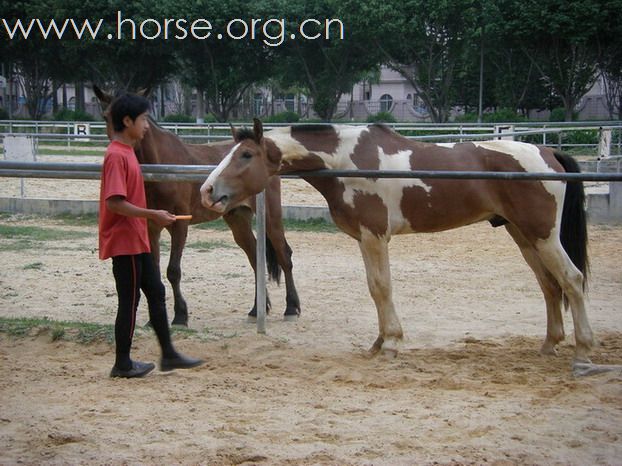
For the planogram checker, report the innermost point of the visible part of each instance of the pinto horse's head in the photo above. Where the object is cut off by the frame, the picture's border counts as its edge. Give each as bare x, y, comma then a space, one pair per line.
244, 172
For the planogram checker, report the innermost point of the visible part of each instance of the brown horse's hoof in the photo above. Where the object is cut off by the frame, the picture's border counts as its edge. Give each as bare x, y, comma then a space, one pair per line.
180, 321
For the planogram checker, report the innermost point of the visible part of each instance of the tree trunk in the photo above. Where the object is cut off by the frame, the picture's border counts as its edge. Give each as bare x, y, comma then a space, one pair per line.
200, 107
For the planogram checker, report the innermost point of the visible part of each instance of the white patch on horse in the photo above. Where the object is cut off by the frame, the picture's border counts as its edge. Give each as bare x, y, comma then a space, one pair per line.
528, 156
390, 190
218, 170
290, 148
448, 145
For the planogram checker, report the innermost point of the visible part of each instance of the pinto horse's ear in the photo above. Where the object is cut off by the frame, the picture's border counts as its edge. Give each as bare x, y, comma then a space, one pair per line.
103, 97
257, 130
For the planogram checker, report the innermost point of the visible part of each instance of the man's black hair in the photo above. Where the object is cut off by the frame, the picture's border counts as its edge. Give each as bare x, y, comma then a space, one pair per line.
131, 105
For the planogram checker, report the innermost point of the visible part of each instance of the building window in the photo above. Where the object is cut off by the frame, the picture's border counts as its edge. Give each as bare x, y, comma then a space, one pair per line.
386, 102
258, 104
290, 102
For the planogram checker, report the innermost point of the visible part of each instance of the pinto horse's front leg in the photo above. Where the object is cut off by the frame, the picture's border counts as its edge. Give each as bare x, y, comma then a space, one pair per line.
375, 253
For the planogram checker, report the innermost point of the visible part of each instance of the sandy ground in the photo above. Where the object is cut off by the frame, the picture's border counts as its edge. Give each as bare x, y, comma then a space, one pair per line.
467, 388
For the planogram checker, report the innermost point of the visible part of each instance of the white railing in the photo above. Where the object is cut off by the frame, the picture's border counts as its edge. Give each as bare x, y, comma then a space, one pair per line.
70, 133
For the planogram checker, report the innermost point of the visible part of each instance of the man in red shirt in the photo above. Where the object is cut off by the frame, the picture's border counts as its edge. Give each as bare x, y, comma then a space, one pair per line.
123, 216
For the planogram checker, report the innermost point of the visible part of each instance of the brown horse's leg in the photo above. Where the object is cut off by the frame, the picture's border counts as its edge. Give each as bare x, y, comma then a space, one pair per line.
179, 233
375, 253
276, 234
240, 221
550, 288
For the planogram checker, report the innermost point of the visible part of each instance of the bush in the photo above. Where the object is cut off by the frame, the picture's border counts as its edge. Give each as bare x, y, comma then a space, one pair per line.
503, 115
4, 115
66, 114
559, 114
210, 118
178, 118
381, 117
588, 136
283, 117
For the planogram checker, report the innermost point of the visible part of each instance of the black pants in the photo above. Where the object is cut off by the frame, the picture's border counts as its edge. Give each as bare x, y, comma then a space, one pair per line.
133, 274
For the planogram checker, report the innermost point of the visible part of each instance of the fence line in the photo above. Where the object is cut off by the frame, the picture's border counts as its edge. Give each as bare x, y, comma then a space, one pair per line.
447, 131
198, 173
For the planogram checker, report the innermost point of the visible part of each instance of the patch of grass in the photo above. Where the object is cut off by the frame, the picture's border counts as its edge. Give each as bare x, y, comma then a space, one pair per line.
205, 246
39, 233
311, 225
218, 224
81, 332
28, 237
77, 220
33, 266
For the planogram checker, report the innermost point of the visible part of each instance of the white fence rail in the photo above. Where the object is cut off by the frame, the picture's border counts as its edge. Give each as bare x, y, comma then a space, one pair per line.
604, 138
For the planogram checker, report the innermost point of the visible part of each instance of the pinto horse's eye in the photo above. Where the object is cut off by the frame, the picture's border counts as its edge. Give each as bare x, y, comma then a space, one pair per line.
246, 155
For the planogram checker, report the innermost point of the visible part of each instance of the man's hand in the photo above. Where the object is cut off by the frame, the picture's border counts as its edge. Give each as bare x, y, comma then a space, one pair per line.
162, 217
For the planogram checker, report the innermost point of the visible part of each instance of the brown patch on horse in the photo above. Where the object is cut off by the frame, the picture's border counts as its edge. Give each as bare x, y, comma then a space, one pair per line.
387, 139
365, 153
307, 135
369, 210
469, 201
373, 213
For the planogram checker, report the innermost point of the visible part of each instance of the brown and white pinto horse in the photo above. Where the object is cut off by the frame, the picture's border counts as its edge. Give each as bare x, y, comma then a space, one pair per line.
545, 218
163, 147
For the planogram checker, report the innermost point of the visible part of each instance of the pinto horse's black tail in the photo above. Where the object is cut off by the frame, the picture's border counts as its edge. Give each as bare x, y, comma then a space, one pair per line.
274, 269
573, 234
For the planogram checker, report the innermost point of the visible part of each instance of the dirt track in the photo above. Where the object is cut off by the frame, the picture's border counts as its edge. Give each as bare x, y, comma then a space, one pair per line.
468, 386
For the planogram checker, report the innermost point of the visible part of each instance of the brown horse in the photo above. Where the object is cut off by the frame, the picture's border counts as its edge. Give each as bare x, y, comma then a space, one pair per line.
546, 219
163, 147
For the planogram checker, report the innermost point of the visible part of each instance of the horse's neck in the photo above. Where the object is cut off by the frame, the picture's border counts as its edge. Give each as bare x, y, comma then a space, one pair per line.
160, 146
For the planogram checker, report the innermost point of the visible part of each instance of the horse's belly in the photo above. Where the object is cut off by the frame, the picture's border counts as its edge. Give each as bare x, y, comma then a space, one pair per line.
442, 209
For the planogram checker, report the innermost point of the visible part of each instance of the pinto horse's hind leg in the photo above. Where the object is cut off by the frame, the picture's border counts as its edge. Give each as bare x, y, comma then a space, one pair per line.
570, 279
375, 253
550, 288
240, 223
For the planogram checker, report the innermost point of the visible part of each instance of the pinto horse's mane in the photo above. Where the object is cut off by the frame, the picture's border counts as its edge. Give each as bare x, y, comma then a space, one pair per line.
244, 133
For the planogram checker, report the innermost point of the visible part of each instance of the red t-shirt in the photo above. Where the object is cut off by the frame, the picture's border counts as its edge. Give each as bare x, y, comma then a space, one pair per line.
120, 235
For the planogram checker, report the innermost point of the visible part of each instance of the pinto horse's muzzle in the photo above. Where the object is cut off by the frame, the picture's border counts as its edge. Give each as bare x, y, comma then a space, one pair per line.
214, 198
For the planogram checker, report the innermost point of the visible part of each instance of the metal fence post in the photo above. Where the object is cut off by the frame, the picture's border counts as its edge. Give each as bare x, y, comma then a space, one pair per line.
260, 219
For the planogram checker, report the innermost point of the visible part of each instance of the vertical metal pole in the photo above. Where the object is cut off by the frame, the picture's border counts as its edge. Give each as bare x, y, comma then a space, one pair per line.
261, 262
480, 107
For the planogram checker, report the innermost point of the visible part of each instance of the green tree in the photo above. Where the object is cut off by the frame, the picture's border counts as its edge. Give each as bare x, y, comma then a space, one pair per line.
329, 65
223, 69
563, 39
427, 43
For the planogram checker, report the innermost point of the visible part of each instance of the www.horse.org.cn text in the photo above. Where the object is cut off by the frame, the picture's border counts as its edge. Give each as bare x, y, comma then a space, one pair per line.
272, 31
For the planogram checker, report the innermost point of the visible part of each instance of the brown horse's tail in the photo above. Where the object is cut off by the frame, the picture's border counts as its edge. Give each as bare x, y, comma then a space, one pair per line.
573, 234
274, 269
